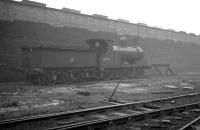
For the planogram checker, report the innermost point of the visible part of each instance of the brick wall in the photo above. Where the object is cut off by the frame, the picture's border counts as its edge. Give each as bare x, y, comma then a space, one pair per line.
59, 18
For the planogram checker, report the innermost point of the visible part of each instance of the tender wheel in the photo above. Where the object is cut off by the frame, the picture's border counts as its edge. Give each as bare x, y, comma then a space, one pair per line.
35, 78
107, 75
44, 80
78, 77
61, 79
67, 77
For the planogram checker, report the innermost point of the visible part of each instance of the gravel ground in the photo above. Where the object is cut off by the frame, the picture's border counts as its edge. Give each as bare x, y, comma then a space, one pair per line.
22, 99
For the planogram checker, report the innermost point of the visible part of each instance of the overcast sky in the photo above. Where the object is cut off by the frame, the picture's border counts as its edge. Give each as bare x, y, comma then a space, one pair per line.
180, 15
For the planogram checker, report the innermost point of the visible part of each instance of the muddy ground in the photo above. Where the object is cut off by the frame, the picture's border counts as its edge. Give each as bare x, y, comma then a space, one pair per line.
22, 99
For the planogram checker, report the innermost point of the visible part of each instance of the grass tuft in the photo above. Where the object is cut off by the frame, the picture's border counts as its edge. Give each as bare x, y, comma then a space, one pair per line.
84, 93
11, 104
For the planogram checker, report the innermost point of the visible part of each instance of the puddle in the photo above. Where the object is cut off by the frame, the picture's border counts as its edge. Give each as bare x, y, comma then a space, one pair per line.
121, 85
170, 86
188, 87
126, 85
60, 90
134, 90
53, 103
8, 109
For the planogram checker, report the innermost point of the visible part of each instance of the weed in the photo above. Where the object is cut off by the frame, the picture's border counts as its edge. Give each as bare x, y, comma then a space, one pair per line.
11, 103
84, 93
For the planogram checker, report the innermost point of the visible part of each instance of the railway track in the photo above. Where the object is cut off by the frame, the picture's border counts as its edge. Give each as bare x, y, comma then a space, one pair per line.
193, 125
133, 115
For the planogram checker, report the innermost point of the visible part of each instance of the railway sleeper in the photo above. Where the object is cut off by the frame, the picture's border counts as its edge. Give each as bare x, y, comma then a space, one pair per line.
111, 121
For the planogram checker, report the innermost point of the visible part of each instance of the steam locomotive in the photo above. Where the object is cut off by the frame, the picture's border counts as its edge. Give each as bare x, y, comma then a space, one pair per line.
101, 60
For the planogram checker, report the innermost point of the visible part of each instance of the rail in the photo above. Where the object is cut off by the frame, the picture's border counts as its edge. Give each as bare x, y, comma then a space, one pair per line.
145, 105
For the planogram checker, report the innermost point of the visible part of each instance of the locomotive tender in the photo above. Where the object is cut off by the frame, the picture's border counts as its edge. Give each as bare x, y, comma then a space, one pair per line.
102, 60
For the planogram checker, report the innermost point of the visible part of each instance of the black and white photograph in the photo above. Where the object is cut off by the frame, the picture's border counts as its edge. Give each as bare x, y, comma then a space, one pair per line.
99, 65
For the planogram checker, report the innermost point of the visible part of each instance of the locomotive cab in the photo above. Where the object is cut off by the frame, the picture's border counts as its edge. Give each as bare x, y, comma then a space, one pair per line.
99, 45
